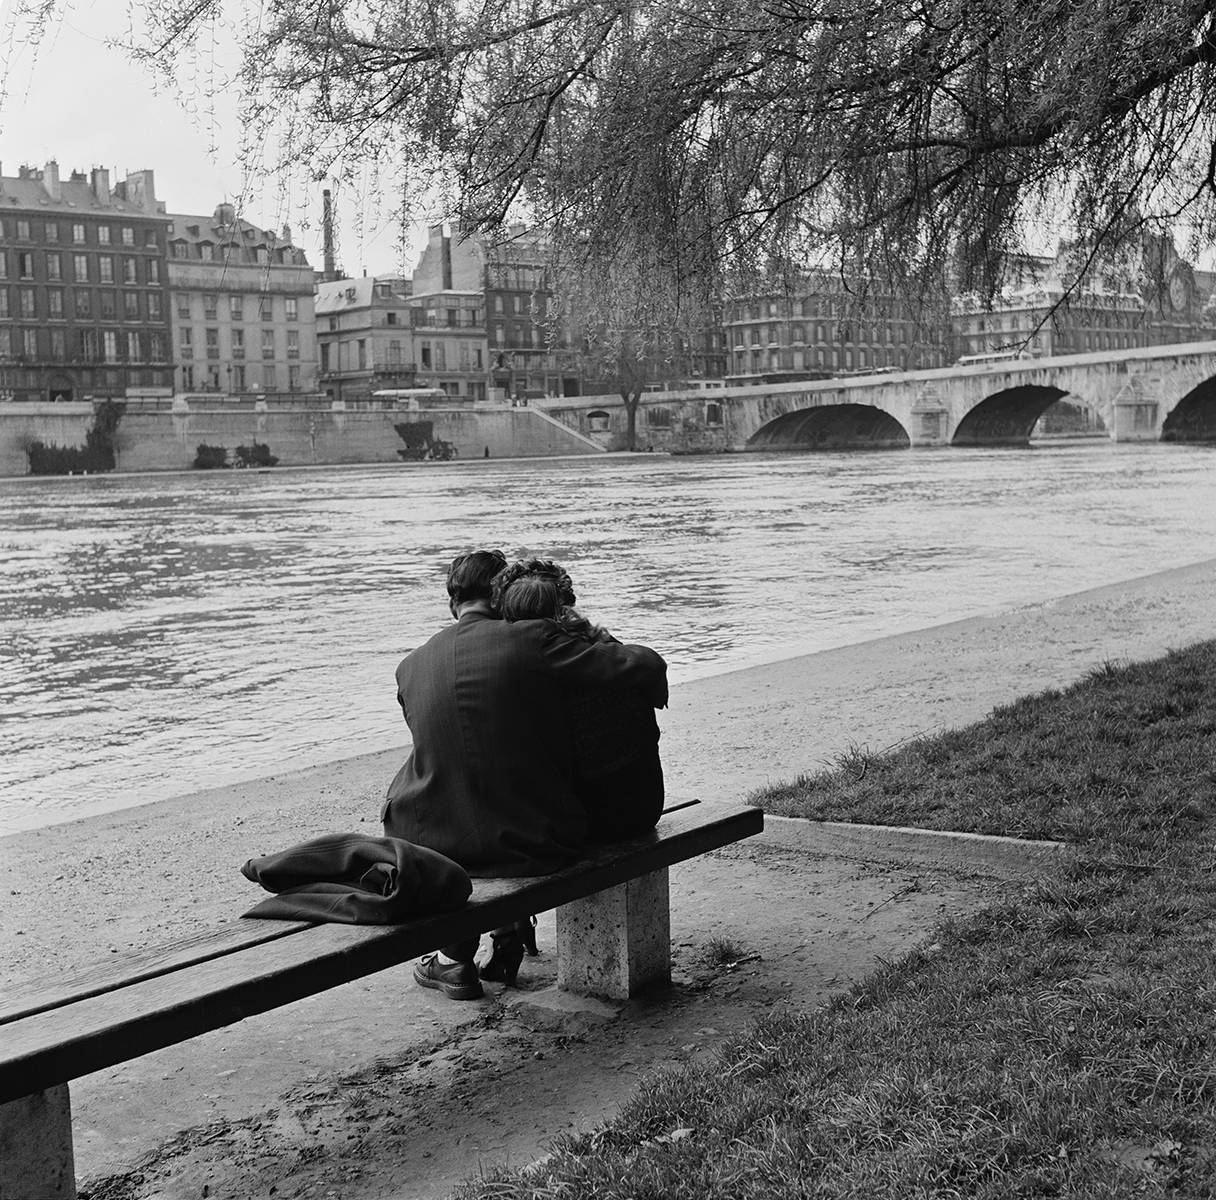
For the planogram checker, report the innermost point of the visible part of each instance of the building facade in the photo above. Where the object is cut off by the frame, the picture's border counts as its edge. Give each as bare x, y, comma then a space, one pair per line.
1150, 297
84, 311
242, 307
817, 329
365, 337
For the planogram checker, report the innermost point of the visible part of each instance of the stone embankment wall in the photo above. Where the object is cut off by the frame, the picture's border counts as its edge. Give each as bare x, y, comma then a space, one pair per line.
162, 439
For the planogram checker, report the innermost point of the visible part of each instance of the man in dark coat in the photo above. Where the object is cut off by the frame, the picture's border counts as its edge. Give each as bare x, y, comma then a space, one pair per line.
490, 780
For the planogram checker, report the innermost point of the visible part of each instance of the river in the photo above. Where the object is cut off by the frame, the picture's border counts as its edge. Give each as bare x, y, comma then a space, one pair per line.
166, 633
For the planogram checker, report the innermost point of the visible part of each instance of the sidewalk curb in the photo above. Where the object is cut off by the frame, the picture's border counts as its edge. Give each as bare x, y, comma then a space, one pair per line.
1001, 857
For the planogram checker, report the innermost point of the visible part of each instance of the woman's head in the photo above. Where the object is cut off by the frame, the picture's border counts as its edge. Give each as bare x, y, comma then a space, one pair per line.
531, 588
530, 597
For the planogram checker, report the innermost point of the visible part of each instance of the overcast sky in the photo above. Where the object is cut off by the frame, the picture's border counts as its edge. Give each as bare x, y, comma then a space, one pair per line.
85, 104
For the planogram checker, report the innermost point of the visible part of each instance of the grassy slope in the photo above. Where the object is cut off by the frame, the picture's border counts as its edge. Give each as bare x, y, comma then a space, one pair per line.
1061, 1043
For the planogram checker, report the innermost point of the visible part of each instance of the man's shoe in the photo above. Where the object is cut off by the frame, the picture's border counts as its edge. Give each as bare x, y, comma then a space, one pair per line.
457, 981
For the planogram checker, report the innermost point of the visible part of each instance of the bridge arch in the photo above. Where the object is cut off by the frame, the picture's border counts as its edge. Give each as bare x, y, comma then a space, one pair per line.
1193, 418
1006, 417
832, 427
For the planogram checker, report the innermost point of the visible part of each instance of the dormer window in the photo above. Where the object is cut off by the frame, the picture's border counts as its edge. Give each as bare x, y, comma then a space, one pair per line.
206, 251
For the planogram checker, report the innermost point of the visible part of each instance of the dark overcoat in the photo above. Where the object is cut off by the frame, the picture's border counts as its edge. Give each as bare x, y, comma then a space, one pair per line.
490, 780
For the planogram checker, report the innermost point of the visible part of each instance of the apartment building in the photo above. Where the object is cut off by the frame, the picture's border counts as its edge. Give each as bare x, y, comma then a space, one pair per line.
365, 337
242, 307
84, 310
817, 329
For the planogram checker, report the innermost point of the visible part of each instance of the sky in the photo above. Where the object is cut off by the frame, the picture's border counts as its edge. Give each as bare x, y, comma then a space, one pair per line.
85, 104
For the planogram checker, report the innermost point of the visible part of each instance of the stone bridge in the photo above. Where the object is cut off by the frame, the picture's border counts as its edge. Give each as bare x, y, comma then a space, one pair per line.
1156, 393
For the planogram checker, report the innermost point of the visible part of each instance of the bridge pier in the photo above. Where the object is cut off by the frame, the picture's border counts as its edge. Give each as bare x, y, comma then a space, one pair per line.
1137, 409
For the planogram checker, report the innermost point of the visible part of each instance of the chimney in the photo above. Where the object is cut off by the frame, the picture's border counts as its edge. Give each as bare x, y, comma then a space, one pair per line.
50, 180
141, 190
100, 183
327, 234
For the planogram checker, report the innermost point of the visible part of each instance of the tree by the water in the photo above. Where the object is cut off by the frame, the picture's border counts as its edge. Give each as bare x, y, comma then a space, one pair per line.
670, 145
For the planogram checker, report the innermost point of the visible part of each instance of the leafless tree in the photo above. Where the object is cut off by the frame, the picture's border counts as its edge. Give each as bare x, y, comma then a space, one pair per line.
913, 140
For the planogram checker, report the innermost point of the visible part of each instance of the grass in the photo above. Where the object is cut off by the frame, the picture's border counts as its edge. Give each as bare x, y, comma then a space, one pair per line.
1060, 1043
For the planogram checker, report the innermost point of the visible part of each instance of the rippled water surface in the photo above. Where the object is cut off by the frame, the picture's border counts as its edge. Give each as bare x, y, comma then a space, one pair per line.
159, 634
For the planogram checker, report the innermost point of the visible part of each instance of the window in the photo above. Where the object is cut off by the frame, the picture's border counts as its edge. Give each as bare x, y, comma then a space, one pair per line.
238, 378
293, 310
133, 346
78, 233
236, 308
183, 305
105, 268
362, 346
293, 377
213, 342
265, 308
4, 309
108, 305
6, 342
441, 358
3, 265
268, 343
103, 235
206, 251
181, 250
59, 346
186, 338
293, 343
25, 302
23, 229
81, 305
713, 413
128, 271
154, 270
324, 356
477, 357
54, 267
262, 254
29, 338
52, 231
155, 309
390, 318
130, 306
426, 355
188, 378
238, 343
109, 346
25, 264
128, 235
156, 346
210, 307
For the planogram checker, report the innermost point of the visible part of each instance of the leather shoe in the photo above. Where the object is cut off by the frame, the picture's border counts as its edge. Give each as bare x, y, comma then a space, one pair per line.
457, 981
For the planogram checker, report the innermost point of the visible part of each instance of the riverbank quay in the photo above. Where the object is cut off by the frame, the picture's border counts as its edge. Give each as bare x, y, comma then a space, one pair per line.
200, 1113
1058, 1042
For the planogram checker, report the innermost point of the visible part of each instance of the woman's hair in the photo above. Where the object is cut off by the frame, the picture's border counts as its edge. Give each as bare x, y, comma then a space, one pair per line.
533, 569
529, 597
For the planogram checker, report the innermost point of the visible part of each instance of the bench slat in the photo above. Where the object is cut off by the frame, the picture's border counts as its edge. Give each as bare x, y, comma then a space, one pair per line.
120, 970
112, 1026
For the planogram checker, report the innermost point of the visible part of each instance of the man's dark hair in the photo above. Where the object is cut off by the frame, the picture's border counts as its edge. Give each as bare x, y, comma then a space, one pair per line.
470, 576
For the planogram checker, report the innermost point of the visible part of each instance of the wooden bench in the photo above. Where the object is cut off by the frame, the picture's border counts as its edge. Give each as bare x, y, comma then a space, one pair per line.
613, 939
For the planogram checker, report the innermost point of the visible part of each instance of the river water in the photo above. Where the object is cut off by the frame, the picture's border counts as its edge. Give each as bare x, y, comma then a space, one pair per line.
164, 633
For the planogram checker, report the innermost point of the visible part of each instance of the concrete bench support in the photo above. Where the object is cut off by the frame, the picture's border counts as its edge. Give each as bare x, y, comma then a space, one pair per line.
36, 1147
618, 941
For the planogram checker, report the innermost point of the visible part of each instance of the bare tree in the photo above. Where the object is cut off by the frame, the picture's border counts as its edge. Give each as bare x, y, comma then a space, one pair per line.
912, 140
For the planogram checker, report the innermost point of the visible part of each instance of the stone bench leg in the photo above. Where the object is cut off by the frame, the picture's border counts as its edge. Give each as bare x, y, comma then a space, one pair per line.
618, 941
36, 1147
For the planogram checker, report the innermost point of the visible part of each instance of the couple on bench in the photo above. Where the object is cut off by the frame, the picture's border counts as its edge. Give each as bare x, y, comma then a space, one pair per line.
534, 735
